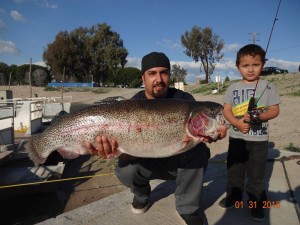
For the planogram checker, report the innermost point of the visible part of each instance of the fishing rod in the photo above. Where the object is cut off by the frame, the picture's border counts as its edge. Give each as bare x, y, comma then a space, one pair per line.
275, 19
252, 100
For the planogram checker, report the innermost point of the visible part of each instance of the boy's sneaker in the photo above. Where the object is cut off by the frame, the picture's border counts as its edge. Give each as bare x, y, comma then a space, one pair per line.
138, 207
192, 219
226, 203
258, 214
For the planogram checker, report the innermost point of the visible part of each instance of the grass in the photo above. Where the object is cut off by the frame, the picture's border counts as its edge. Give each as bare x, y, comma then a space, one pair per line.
295, 93
287, 84
292, 148
98, 90
206, 89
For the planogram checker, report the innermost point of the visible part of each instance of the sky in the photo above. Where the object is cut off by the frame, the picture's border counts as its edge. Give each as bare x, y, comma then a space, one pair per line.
28, 26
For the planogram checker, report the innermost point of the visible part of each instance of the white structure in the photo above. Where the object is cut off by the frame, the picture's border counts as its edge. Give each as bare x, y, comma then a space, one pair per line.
26, 115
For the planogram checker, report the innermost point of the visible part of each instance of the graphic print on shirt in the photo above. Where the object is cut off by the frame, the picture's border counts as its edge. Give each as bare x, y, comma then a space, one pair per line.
241, 98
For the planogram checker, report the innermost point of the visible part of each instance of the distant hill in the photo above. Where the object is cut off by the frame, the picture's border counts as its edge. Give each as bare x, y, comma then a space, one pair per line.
287, 84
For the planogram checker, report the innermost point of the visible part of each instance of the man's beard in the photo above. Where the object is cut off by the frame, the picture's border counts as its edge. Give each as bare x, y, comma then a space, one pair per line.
162, 93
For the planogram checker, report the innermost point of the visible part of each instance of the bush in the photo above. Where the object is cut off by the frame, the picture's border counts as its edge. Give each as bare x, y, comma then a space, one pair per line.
292, 148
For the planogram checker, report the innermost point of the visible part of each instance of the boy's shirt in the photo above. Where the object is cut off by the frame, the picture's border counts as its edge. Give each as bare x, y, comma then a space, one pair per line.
238, 95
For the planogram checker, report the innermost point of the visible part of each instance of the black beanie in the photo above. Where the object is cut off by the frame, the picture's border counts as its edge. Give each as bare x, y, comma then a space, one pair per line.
155, 59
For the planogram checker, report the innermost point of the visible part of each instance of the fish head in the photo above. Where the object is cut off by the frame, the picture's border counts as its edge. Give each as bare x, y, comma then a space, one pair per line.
206, 120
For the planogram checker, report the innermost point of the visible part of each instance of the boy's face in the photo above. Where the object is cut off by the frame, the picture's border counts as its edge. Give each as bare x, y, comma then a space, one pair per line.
250, 67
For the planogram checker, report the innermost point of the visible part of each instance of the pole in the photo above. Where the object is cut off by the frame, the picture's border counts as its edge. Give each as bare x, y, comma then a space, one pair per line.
30, 78
62, 90
9, 81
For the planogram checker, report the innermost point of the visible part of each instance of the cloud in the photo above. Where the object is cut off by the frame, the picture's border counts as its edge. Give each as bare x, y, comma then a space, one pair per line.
2, 25
17, 16
291, 66
231, 47
46, 4
43, 3
8, 47
40, 63
19, 1
133, 62
226, 66
167, 43
2, 11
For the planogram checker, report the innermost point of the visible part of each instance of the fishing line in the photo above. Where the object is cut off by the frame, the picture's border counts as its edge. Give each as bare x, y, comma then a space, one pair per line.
275, 19
261, 93
57, 180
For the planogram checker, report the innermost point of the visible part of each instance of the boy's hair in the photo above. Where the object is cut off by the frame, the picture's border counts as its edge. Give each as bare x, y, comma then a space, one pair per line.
252, 50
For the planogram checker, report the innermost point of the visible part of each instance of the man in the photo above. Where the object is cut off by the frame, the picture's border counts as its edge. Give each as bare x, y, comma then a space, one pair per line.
186, 168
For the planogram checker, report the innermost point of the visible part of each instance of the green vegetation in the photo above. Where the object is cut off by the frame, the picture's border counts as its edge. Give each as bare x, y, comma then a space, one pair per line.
19, 75
295, 93
292, 148
51, 89
204, 89
207, 89
86, 53
79, 89
287, 84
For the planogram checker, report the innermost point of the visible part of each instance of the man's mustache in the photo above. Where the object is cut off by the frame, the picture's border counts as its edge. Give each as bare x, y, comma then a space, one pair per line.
159, 84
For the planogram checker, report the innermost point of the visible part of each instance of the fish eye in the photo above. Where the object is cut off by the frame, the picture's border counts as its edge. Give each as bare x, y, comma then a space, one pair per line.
213, 111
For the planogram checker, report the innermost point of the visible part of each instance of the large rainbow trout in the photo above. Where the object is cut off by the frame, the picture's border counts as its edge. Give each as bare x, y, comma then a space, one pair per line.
142, 128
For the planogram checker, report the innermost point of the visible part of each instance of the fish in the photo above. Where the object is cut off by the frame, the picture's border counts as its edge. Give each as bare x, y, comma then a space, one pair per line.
152, 128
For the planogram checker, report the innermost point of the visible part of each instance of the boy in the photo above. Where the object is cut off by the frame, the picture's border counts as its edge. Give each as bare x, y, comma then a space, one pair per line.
248, 105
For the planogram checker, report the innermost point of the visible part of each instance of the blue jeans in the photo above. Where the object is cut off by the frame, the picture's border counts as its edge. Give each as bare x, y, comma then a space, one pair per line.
186, 168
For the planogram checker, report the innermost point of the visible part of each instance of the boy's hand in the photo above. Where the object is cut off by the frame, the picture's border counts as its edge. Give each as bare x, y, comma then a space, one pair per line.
247, 117
243, 125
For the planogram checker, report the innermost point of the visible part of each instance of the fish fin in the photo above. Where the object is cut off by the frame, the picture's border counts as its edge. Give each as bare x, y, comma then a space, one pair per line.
186, 140
68, 154
30, 148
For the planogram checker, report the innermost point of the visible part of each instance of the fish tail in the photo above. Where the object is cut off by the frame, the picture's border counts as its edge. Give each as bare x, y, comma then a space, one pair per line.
32, 149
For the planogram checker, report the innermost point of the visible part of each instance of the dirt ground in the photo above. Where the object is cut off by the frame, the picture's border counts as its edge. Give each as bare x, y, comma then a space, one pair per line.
31, 209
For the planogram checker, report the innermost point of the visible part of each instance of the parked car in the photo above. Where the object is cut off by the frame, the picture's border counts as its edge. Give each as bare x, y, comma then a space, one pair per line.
272, 70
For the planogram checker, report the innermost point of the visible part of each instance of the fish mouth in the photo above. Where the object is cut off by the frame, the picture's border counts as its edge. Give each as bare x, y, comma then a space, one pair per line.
207, 126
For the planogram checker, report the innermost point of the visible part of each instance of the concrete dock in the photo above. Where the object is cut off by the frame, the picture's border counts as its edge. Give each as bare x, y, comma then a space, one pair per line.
282, 206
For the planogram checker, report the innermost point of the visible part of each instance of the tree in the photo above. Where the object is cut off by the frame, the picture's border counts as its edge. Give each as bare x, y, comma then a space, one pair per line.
106, 51
202, 44
178, 73
21, 73
69, 52
86, 52
4, 70
127, 76
40, 77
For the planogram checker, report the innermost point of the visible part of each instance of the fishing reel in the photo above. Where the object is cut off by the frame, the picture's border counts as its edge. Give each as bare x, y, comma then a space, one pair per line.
253, 111
254, 116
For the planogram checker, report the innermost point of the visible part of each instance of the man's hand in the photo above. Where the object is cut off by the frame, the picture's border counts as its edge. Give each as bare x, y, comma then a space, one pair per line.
103, 148
222, 134
106, 149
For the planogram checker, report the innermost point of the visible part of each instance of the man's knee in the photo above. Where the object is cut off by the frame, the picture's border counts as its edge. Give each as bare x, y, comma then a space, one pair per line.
131, 173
